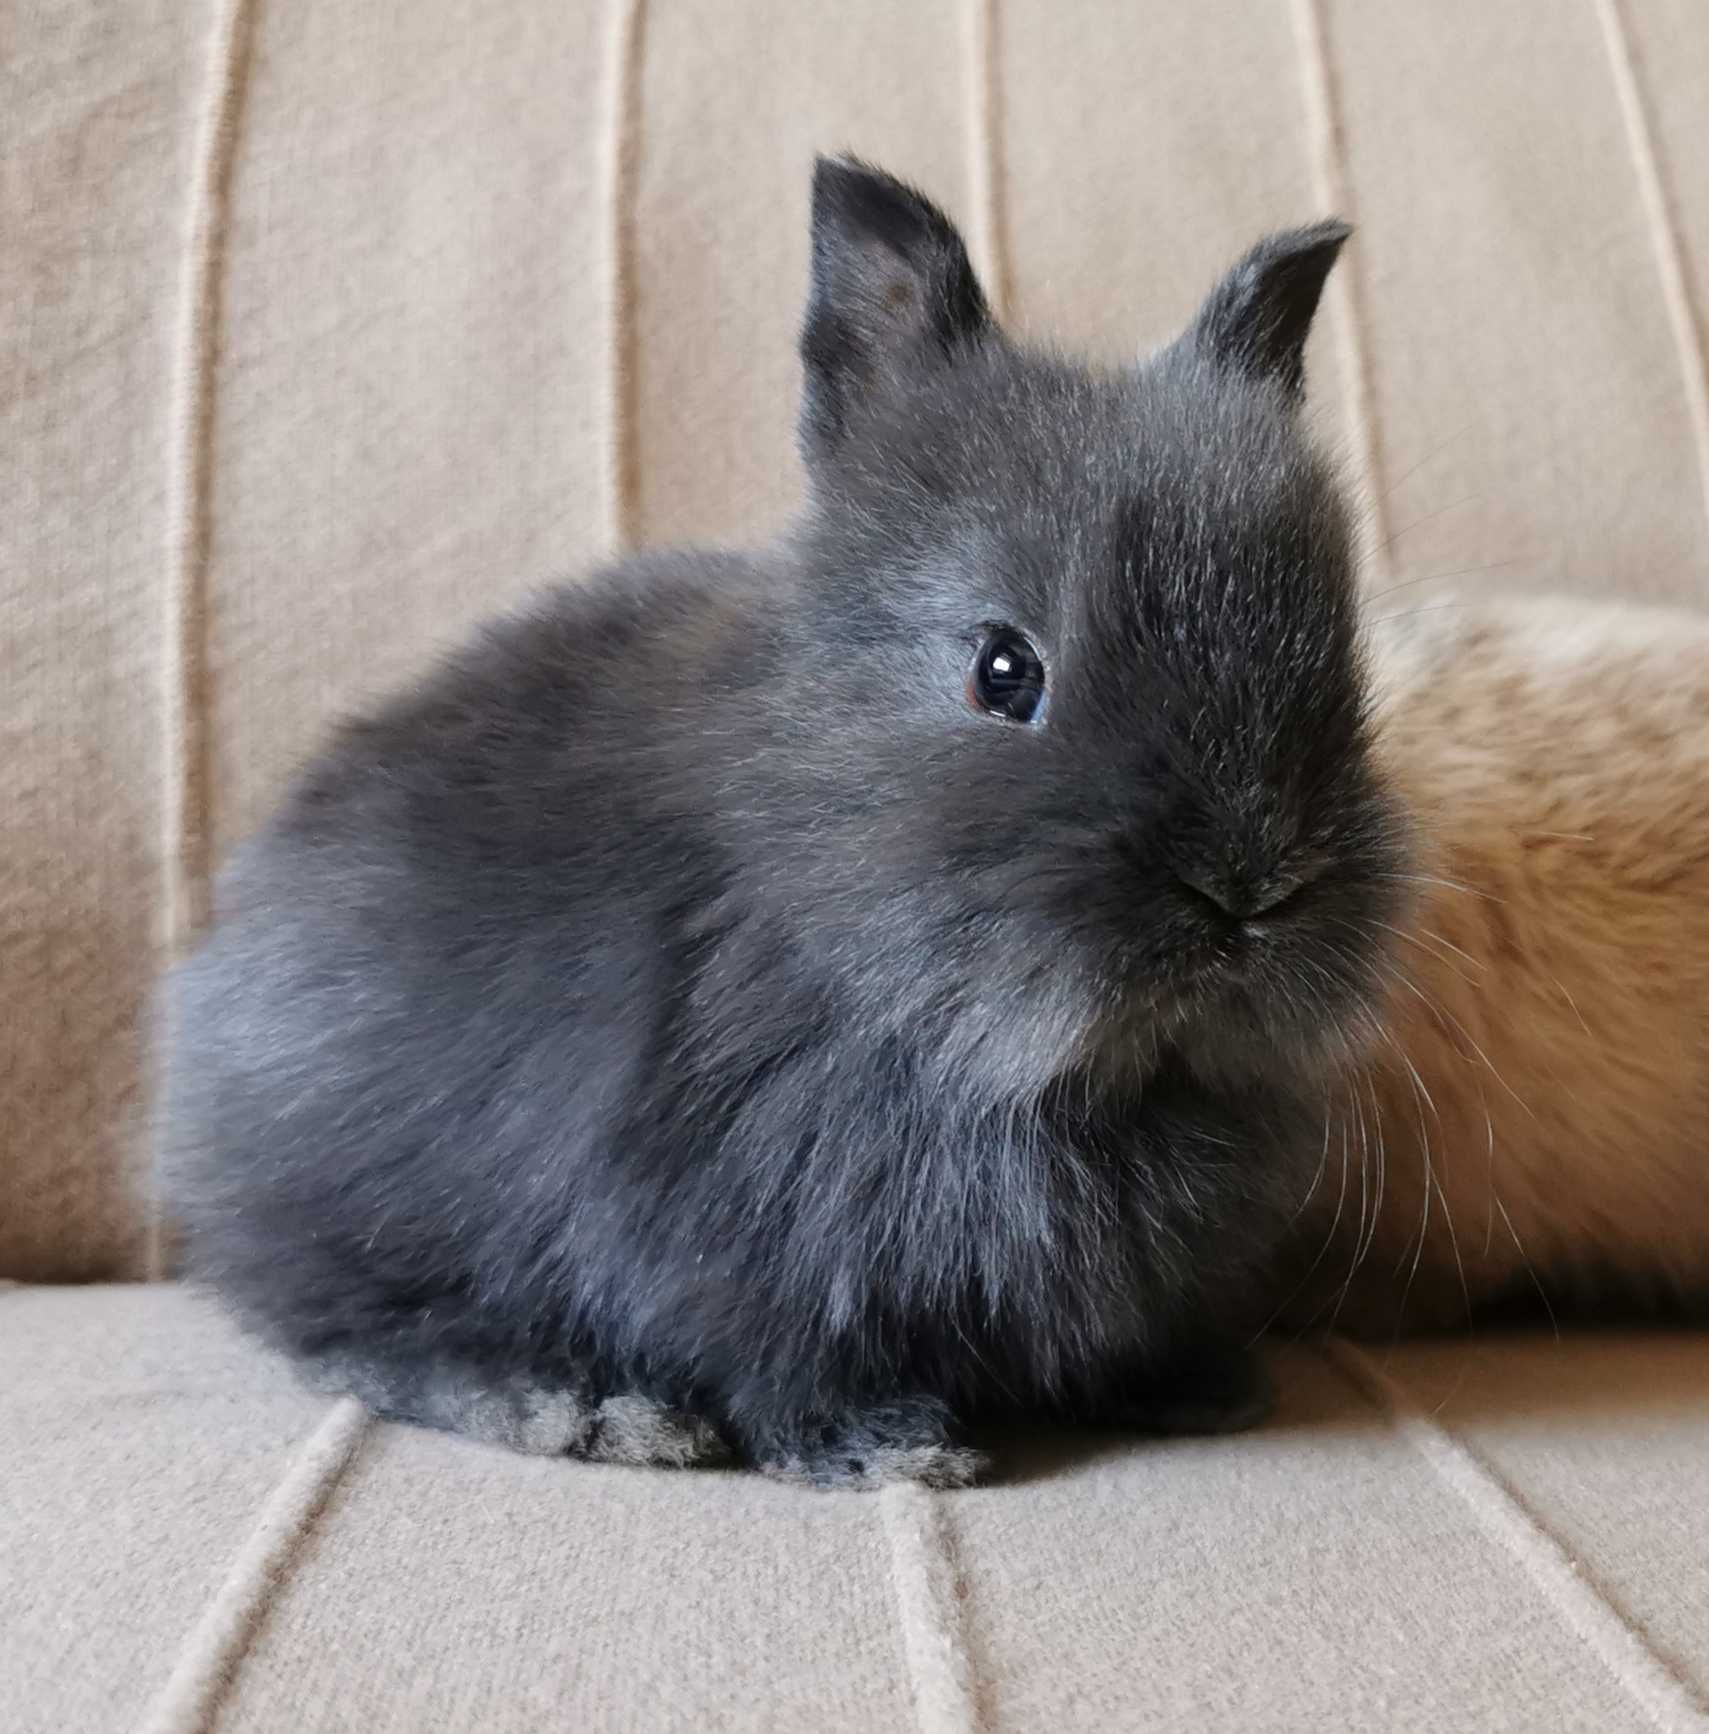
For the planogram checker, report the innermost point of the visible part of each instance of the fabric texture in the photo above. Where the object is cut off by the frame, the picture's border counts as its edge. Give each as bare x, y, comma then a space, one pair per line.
326, 329
1506, 1535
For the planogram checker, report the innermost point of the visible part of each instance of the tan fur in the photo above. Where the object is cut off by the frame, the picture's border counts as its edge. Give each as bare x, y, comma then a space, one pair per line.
1552, 985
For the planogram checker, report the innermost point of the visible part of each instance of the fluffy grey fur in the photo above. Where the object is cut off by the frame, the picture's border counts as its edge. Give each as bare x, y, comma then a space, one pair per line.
684, 1024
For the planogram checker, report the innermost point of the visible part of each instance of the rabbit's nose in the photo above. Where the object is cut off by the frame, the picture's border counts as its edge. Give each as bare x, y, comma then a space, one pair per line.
1243, 895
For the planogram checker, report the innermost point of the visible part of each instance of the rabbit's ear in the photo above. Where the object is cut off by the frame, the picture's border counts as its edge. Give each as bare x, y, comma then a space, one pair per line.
1257, 318
891, 281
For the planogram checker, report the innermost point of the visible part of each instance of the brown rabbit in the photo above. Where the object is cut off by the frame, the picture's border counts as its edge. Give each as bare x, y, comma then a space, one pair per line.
1535, 1126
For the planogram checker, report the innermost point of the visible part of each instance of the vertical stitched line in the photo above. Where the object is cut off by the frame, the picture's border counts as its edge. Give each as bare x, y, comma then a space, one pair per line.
922, 1570
622, 162
1667, 1700
1347, 283
928, 1606
186, 845
1662, 219
208, 1663
986, 173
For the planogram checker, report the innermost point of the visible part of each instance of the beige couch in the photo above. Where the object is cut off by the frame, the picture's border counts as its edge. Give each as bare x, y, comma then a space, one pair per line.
326, 325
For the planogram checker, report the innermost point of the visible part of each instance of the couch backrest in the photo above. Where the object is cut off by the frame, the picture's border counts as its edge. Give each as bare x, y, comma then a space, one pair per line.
325, 328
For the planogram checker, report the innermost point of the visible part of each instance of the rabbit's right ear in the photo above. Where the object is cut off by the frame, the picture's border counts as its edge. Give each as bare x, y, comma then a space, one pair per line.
891, 282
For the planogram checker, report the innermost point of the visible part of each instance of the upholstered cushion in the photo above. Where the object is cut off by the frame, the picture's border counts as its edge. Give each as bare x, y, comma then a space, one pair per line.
1511, 1535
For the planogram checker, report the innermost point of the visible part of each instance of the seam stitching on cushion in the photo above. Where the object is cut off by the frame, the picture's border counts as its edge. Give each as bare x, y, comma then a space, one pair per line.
986, 172
1666, 1698
1661, 218
208, 1663
622, 163
928, 1606
1346, 289
186, 845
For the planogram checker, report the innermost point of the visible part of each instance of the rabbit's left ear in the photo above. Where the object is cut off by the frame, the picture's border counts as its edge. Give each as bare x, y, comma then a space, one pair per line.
891, 283
1257, 318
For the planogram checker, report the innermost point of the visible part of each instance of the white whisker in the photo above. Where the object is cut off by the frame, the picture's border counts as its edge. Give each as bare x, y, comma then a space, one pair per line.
1446, 884
1573, 1003
1536, 1282
1424, 1216
1437, 1009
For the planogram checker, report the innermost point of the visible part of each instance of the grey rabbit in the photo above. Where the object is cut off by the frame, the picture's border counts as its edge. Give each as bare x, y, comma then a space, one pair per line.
796, 1006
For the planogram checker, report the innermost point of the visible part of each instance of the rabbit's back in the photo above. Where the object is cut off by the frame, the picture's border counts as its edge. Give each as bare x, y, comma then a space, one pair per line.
443, 969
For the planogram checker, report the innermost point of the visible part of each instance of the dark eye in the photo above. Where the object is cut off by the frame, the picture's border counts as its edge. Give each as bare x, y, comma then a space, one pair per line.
1007, 677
